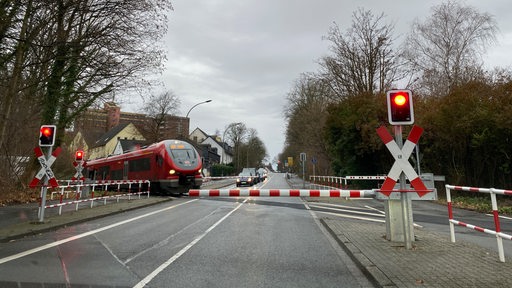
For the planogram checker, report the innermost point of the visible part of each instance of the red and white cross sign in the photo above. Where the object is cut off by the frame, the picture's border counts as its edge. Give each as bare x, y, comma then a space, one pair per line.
78, 167
402, 161
45, 168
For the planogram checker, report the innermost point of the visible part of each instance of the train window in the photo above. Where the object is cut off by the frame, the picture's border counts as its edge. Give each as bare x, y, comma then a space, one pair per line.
116, 174
183, 154
103, 171
143, 164
159, 160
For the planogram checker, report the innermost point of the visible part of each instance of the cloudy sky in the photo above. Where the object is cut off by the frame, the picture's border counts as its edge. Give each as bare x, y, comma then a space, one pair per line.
245, 55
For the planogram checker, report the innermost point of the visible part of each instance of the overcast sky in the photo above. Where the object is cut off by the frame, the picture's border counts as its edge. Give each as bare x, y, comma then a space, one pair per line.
245, 55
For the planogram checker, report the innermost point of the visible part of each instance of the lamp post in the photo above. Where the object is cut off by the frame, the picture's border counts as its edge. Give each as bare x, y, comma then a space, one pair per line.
207, 101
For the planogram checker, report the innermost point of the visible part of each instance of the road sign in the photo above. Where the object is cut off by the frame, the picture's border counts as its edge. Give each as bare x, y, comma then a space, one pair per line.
402, 161
45, 167
79, 166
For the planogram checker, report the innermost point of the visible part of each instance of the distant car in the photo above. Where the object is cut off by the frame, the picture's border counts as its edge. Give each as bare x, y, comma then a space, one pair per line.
252, 172
245, 179
262, 173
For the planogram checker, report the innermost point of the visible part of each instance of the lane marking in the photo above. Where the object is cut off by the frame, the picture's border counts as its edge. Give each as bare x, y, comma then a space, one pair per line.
347, 210
166, 264
76, 237
503, 217
355, 212
353, 217
375, 209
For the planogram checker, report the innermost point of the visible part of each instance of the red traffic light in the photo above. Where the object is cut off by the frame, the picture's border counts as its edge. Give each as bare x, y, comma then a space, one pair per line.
47, 135
399, 100
400, 109
79, 155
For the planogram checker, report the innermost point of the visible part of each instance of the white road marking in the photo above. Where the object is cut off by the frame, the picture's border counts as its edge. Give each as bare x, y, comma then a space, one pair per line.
503, 217
352, 217
76, 237
375, 209
166, 264
351, 211
346, 210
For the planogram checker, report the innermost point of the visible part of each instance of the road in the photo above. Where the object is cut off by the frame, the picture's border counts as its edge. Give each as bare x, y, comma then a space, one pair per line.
208, 242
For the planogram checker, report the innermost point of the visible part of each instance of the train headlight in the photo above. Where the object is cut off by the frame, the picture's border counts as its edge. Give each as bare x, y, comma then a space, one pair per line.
172, 171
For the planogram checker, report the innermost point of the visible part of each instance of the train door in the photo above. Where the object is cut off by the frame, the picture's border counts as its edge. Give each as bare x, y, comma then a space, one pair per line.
125, 170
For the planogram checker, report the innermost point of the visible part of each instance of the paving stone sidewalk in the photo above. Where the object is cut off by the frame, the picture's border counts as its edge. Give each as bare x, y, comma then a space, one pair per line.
433, 262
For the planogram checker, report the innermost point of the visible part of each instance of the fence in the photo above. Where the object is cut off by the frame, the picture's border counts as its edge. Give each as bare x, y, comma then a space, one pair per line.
497, 232
340, 182
79, 186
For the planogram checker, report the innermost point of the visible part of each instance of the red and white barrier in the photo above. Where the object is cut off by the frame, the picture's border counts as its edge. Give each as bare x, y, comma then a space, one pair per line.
281, 193
103, 184
339, 182
497, 232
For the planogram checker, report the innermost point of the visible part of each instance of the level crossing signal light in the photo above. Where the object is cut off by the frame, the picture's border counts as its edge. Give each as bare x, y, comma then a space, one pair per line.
400, 109
79, 155
47, 135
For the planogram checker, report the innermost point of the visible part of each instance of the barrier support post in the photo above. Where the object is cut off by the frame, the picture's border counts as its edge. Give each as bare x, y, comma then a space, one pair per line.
494, 203
450, 214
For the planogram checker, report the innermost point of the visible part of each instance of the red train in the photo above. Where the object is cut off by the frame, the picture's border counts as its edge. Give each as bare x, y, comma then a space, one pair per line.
172, 166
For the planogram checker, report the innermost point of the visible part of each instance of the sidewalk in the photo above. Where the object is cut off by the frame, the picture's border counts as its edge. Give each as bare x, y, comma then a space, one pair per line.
433, 262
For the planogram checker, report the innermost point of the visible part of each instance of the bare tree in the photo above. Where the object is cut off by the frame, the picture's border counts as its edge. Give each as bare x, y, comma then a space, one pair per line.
158, 108
236, 134
306, 112
362, 59
80, 51
443, 51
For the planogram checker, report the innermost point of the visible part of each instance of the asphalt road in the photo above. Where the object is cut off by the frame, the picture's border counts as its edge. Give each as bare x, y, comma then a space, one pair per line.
221, 242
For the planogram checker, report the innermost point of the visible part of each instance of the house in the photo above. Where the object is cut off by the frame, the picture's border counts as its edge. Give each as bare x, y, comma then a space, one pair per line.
223, 149
198, 136
108, 143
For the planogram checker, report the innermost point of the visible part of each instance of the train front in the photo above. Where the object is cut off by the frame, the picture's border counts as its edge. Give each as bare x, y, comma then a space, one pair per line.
185, 166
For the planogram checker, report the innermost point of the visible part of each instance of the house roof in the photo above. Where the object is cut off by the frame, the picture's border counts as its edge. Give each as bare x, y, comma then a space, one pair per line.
225, 146
103, 140
131, 145
199, 129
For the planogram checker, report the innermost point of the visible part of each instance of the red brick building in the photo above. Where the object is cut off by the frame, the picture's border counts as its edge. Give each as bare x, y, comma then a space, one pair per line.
96, 122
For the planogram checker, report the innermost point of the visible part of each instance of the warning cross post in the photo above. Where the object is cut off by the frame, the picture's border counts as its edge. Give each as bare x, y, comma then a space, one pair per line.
45, 168
402, 163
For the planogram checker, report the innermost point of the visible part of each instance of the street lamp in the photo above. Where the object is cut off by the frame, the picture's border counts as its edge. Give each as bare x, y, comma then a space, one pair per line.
207, 101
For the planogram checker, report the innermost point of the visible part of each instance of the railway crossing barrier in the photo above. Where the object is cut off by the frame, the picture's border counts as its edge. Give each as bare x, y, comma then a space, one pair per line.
497, 230
103, 185
281, 193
